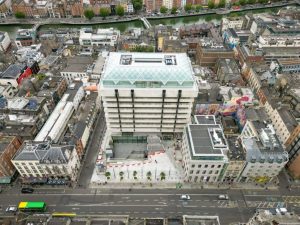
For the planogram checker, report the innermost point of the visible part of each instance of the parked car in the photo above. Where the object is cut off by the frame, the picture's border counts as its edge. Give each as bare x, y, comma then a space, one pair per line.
185, 197
11, 209
27, 190
223, 197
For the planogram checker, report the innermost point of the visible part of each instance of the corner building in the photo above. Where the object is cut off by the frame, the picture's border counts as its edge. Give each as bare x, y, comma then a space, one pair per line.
147, 92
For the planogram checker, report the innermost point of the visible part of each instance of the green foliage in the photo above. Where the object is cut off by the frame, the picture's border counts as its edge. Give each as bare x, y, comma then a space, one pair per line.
251, 1
134, 173
137, 4
211, 4
107, 174
222, 4
174, 10
188, 7
20, 15
198, 8
121, 173
140, 48
149, 175
40, 76
263, 1
120, 10
104, 12
233, 15
89, 14
242, 2
162, 176
163, 9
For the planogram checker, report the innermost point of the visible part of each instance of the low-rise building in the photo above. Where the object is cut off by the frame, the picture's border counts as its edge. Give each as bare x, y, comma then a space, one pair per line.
78, 67
9, 145
4, 41
30, 54
289, 65
103, 37
228, 72
7, 91
204, 150
285, 41
5, 8
25, 37
278, 216
231, 39
45, 160
23, 116
232, 22
265, 157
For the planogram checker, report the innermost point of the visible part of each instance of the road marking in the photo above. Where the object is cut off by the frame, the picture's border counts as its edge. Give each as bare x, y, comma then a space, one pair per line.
110, 194
90, 205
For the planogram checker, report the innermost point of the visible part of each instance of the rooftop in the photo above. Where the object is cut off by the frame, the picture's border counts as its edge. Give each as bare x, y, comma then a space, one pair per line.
78, 64
13, 71
148, 70
4, 142
206, 139
44, 152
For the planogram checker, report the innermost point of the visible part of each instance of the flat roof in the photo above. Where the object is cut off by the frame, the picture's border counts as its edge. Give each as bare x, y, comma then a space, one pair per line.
13, 71
162, 69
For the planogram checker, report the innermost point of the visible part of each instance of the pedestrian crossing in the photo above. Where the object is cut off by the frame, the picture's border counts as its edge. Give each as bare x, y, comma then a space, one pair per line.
266, 204
293, 200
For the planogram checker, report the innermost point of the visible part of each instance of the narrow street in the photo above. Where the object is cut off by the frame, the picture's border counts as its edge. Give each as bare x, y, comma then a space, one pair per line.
92, 150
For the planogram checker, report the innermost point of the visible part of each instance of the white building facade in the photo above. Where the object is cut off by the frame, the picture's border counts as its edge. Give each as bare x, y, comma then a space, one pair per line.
103, 37
231, 22
4, 41
279, 41
204, 149
42, 160
147, 92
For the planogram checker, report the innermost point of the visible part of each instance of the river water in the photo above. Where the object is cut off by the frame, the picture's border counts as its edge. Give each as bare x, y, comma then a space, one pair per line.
124, 26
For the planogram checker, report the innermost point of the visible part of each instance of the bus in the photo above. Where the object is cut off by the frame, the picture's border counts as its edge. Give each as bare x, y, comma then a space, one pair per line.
32, 206
63, 214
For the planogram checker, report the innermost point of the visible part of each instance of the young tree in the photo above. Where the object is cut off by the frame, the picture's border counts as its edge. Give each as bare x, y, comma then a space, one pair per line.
89, 14
162, 176
20, 15
120, 10
104, 12
174, 10
198, 8
188, 7
222, 4
211, 4
163, 9
262, 1
137, 4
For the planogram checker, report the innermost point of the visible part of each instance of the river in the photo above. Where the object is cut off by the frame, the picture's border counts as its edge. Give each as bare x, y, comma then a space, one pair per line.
124, 26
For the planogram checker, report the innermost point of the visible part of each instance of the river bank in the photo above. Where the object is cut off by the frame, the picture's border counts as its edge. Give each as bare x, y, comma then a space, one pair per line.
176, 21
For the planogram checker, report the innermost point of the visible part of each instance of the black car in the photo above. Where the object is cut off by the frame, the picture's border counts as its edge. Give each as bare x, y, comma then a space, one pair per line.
27, 190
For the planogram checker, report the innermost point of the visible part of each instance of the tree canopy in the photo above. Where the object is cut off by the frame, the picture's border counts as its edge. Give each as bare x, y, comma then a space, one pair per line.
89, 14
211, 4
120, 10
174, 10
20, 15
198, 8
188, 7
137, 4
222, 4
163, 9
104, 12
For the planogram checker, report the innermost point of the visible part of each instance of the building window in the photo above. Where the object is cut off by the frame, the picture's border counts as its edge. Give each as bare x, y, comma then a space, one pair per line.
204, 172
199, 166
193, 166
205, 166
212, 166
191, 171
219, 166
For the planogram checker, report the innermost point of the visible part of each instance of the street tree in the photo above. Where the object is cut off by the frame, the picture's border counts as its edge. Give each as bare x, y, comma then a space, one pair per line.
174, 10
104, 12
163, 9
149, 174
188, 7
198, 8
242, 2
137, 4
211, 4
162, 176
89, 14
222, 4
120, 10
20, 15
107, 174
251, 1
263, 1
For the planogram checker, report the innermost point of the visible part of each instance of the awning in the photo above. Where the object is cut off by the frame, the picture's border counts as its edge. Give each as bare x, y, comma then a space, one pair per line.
5, 180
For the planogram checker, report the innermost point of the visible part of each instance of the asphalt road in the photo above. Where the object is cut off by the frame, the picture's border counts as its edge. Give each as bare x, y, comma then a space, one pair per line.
152, 203
92, 151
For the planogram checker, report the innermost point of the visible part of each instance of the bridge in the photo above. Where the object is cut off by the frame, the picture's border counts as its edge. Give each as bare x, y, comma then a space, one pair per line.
146, 22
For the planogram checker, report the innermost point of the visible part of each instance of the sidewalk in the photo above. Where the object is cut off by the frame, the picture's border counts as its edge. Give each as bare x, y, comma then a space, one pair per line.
163, 185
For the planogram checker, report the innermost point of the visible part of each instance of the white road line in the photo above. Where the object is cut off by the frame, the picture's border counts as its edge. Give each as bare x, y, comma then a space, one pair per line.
99, 205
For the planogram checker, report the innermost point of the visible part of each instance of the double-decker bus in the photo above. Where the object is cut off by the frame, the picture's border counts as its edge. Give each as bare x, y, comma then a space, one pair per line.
32, 206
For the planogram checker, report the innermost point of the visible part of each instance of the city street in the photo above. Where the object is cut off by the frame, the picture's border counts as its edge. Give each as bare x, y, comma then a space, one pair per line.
92, 151
155, 203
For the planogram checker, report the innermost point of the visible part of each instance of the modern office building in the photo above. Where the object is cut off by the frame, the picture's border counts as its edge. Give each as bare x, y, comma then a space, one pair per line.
204, 150
147, 92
